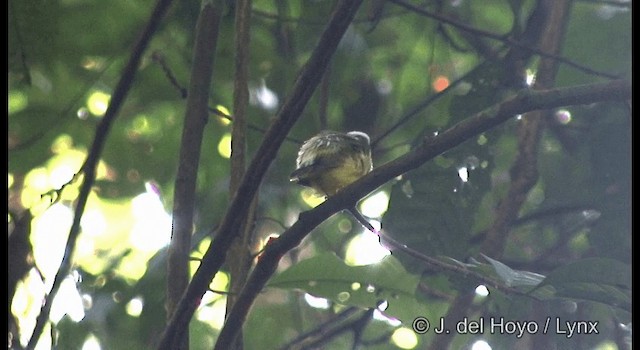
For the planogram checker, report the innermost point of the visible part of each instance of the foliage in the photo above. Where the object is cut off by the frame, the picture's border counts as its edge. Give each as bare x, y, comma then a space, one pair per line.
567, 255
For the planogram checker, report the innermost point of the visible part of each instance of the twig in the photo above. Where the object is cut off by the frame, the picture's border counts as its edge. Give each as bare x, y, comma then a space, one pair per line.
424, 104
500, 38
159, 59
117, 99
427, 260
320, 330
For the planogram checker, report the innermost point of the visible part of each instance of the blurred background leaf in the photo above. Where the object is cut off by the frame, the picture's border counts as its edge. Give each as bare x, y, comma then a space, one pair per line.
65, 57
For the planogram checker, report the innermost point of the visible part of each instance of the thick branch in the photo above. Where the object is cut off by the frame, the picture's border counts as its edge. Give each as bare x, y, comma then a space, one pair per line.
304, 86
89, 167
430, 148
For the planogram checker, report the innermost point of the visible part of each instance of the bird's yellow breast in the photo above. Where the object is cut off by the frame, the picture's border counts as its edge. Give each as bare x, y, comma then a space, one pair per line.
334, 179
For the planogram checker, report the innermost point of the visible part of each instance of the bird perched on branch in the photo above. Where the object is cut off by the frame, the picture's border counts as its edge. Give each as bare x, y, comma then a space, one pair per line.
332, 160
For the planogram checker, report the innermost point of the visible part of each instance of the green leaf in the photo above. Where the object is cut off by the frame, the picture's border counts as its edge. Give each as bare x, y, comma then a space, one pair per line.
596, 279
329, 277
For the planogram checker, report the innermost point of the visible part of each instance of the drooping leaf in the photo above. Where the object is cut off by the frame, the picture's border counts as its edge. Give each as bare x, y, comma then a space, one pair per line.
514, 278
597, 279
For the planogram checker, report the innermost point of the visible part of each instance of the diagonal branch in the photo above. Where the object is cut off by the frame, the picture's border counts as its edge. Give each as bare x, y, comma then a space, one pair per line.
228, 230
89, 168
523, 102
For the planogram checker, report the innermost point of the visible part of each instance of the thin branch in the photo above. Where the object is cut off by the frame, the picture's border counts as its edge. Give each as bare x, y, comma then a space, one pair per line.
90, 165
553, 212
438, 264
290, 111
501, 38
320, 330
158, 58
20, 42
50, 125
251, 126
424, 104
329, 331
523, 102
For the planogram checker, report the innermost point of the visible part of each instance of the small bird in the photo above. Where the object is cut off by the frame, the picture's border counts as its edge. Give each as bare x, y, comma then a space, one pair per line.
332, 160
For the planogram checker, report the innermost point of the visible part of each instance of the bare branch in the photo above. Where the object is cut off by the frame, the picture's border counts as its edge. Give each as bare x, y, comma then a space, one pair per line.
196, 117
117, 99
523, 102
239, 261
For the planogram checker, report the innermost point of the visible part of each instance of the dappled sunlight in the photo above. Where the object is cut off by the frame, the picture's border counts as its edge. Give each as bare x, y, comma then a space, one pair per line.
480, 345
530, 77
224, 111
482, 291
93, 63
134, 306
91, 343
378, 314
212, 313
219, 283
17, 101
57, 173
212, 307
27, 301
63, 143
311, 198
67, 302
48, 237
404, 338
316, 302
375, 205
365, 249
264, 97
609, 345
36, 182
105, 227
108, 228
463, 173
98, 102
143, 125
563, 116
224, 146
152, 225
